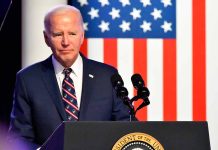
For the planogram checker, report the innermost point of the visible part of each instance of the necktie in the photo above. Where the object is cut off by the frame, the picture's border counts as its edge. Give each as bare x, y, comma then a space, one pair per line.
69, 96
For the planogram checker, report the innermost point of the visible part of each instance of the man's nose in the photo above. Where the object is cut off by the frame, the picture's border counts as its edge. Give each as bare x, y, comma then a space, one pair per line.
65, 40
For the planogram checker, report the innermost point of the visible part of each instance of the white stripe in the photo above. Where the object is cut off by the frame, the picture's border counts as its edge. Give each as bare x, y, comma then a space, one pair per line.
96, 49
212, 70
155, 79
184, 60
125, 62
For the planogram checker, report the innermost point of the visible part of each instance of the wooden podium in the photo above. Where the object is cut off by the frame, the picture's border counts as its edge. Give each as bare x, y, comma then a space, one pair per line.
127, 135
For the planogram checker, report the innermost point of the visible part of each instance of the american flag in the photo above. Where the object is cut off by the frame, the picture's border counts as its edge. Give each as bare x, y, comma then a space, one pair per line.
158, 39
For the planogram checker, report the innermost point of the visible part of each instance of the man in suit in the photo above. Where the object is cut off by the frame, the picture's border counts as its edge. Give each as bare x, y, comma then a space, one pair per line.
38, 103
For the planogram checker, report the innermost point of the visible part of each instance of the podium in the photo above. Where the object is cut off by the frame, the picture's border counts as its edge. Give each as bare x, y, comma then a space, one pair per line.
157, 135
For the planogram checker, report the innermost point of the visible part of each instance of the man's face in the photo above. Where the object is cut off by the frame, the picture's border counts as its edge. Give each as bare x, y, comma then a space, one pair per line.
65, 36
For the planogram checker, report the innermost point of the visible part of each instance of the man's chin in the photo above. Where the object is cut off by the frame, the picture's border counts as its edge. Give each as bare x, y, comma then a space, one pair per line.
67, 62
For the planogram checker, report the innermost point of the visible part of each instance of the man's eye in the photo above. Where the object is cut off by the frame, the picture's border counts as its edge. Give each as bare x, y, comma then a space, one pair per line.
57, 34
72, 33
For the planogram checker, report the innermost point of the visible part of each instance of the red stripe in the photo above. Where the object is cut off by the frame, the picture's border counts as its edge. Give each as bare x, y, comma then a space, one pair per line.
83, 48
140, 66
70, 94
69, 84
71, 114
199, 61
110, 52
169, 79
71, 104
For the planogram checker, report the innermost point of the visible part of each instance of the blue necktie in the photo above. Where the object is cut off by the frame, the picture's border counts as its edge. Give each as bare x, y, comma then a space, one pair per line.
69, 96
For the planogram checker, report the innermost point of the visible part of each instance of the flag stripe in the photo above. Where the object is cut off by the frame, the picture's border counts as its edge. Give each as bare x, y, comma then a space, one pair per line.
199, 60
125, 62
110, 52
212, 70
140, 66
155, 78
83, 48
96, 49
169, 79
184, 60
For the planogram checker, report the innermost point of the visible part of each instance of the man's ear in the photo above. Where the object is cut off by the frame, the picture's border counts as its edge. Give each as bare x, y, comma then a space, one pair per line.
46, 38
82, 39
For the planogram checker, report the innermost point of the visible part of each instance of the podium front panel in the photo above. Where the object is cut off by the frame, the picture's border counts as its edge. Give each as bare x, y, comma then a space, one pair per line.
104, 135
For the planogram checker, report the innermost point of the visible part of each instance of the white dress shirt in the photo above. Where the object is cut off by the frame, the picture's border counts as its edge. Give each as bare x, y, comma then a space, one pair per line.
76, 75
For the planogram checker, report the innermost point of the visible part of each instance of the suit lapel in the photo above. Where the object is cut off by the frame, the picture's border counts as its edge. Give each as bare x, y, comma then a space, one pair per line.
52, 86
88, 82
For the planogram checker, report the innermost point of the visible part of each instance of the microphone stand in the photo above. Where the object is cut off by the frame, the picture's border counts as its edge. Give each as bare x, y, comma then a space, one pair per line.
130, 105
128, 102
123, 94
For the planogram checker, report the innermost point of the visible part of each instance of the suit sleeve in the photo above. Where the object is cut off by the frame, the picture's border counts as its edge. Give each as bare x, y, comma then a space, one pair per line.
21, 128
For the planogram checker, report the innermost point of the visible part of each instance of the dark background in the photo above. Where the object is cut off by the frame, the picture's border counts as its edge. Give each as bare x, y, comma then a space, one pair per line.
10, 48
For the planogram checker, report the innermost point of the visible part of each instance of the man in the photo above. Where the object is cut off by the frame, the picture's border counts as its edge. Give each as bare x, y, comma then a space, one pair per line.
39, 105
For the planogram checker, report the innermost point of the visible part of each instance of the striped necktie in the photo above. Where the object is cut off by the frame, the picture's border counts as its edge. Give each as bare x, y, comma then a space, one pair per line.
69, 96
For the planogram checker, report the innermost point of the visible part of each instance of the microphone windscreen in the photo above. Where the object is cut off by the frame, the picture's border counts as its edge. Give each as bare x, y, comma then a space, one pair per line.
137, 81
116, 80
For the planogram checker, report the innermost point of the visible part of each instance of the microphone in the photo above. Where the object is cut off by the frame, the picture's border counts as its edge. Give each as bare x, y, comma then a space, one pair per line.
121, 91
142, 91
117, 81
138, 83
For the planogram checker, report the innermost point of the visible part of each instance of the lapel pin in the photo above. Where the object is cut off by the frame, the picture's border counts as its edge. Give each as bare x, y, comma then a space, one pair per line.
91, 76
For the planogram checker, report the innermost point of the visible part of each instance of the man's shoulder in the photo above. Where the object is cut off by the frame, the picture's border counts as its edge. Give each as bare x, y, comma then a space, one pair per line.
33, 68
96, 65
100, 64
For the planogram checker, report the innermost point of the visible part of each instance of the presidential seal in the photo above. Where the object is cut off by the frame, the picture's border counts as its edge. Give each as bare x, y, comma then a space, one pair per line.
137, 141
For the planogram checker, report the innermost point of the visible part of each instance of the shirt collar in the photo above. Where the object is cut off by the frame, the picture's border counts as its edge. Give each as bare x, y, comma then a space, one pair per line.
76, 67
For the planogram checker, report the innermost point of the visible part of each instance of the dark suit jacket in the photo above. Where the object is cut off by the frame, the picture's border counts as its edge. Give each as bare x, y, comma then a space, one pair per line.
38, 107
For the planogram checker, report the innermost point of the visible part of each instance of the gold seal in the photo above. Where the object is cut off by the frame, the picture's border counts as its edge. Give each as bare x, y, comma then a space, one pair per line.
137, 140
